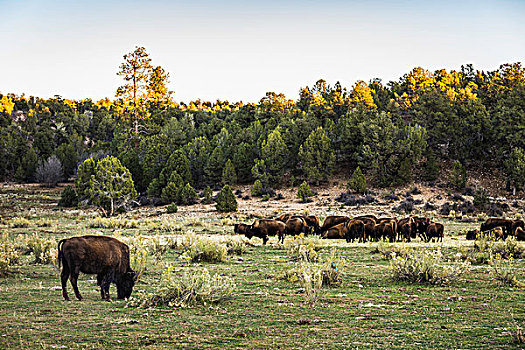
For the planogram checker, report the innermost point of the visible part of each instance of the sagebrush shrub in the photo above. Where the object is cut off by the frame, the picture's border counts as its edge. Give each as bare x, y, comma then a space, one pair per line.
18, 222
301, 248
504, 272
199, 249
8, 254
44, 249
426, 267
112, 223
192, 288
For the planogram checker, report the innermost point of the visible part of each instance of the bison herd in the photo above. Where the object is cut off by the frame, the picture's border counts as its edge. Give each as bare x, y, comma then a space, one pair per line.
500, 228
361, 228
108, 258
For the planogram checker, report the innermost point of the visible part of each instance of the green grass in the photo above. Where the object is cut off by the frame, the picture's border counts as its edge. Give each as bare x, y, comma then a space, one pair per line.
369, 309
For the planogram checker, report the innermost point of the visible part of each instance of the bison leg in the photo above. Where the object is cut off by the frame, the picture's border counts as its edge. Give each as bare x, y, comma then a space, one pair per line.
64, 276
73, 277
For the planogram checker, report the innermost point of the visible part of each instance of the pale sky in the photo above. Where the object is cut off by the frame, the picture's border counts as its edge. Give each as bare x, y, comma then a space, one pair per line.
238, 50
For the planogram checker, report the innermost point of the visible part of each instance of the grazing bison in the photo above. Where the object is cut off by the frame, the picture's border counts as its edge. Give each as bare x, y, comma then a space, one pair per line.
506, 224
435, 230
519, 234
106, 257
472, 234
515, 225
295, 226
338, 231
241, 229
355, 229
263, 228
333, 220
313, 223
284, 217
421, 227
369, 216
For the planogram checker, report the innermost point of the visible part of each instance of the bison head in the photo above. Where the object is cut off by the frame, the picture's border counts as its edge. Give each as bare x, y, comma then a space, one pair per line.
125, 284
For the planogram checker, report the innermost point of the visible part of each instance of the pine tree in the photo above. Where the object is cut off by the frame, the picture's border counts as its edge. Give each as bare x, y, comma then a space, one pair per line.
274, 154
226, 201
357, 182
316, 156
228, 174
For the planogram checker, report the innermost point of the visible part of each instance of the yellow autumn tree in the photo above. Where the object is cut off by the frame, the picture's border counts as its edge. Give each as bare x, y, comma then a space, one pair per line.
6, 105
361, 95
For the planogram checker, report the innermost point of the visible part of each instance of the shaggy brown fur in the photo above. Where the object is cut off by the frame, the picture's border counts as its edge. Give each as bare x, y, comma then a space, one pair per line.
263, 228
106, 257
331, 221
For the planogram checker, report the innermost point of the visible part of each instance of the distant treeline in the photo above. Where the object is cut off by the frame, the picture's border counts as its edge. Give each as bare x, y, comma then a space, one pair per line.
395, 133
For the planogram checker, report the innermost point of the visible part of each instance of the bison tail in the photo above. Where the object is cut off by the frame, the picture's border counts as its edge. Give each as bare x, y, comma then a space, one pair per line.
60, 254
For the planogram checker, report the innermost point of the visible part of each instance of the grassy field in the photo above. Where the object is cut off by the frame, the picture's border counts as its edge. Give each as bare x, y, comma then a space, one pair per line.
368, 310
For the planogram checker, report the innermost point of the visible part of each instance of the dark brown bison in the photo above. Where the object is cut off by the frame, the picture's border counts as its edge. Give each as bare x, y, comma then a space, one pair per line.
313, 224
369, 216
421, 227
519, 234
436, 231
370, 224
355, 229
333, 220
515, 225
506, 224
406, 229
472, 234
386, 229
338, 231
499, 233
106, 257
284, 217
263, 228
294, 227
241, 229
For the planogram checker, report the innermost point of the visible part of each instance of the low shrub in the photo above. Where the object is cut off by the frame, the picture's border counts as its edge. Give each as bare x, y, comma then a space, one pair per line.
44, 249
172, 208
235, 246
426, 267
332, 269
257, 188
138, 254
68, 197
388, 251
192, 288
8, 254
203, 250
44, 222
504, 272
304, 192
112, 223
303, 249
18, 222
